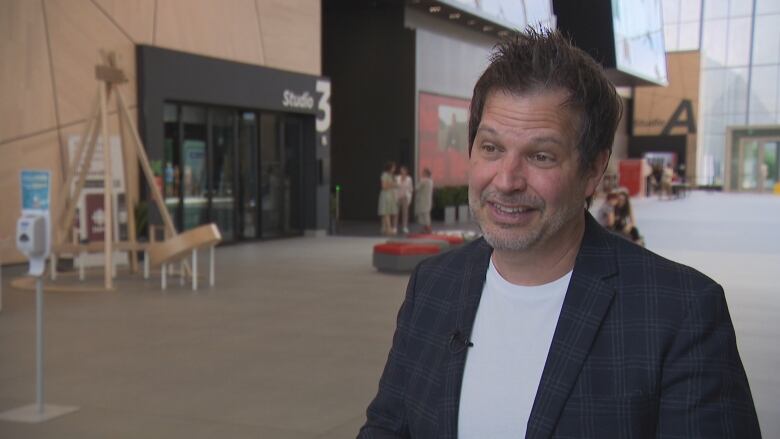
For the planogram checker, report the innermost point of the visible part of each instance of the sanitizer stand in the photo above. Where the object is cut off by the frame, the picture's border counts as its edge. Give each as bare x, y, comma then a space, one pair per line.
33, 238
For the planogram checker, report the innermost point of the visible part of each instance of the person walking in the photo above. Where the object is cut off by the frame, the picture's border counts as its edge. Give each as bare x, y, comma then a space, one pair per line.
388, 208
423, 200
403, 191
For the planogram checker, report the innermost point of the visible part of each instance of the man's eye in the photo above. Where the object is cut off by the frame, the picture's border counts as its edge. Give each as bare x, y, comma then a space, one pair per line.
542, 157
489, 147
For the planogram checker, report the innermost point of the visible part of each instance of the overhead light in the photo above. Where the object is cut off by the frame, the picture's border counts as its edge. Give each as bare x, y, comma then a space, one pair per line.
434, 9
503, 33
471, 22
454, 15
487, 28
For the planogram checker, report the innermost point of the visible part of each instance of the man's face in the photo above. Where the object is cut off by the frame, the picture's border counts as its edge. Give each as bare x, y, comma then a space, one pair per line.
525, 185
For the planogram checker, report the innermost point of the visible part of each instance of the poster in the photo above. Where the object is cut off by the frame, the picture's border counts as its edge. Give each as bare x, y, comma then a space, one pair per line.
443, 138
36, 187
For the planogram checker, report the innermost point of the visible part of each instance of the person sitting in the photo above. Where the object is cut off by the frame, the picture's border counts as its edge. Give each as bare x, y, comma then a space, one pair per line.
624, 222
606, 213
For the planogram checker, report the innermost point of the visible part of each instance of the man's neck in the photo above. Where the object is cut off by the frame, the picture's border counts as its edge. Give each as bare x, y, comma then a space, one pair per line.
534, 267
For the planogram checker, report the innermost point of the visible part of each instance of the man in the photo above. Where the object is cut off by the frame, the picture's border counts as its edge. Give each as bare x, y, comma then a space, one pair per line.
423, 200
550, 326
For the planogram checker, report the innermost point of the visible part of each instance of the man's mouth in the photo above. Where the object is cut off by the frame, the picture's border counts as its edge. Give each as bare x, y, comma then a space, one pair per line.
510, 214
510, 210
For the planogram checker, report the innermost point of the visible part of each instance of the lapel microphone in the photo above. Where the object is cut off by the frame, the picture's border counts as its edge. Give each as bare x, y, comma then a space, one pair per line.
459, 342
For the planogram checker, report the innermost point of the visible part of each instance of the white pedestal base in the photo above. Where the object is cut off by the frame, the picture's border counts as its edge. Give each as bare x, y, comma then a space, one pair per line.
30, 414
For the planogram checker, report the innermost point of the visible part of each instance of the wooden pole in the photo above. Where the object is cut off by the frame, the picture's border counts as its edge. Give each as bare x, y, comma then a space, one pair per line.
108, 183
129, 196
64, 198
85, 165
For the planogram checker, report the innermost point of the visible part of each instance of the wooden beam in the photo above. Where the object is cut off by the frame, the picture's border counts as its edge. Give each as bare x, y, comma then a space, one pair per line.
108, 184
129, 196
64, 198
110, 75
84, 169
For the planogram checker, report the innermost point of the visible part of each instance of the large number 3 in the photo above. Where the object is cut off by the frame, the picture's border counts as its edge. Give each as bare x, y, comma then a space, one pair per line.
323, 122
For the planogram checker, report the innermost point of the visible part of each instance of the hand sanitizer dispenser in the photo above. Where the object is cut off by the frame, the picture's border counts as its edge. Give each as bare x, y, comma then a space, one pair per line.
32, 240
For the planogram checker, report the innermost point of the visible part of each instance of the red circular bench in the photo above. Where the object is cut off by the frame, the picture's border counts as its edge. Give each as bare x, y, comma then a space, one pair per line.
451, 239
401, 257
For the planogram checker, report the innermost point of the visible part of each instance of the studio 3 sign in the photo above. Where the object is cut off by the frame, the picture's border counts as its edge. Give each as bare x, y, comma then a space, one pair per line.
305, 100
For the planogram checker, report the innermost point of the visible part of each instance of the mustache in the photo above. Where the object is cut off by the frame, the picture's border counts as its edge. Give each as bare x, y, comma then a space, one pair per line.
523, 199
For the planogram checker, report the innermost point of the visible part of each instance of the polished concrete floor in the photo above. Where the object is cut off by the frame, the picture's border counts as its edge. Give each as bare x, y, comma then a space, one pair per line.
291, 341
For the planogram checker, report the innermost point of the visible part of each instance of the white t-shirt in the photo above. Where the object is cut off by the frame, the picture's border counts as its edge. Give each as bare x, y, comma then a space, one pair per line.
512, 334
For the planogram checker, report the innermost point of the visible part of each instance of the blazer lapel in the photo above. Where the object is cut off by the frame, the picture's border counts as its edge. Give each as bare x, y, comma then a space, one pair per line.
462, 314
587, 301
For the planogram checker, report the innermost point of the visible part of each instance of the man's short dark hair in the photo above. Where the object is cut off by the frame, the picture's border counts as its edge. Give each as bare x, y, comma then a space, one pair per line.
539, 60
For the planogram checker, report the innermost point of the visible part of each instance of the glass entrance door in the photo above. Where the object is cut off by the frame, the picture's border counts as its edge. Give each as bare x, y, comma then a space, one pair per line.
193, 176
248, 171
758, 164
239, 169
223, 140
281, 139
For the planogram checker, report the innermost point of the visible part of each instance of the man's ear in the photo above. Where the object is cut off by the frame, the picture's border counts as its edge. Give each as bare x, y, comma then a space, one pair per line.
596, 172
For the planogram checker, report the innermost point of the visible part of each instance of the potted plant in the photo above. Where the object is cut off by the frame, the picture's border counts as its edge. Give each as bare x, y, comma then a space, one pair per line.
462, 201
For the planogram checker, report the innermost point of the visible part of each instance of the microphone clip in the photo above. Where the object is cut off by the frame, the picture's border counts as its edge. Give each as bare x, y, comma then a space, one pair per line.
459, 342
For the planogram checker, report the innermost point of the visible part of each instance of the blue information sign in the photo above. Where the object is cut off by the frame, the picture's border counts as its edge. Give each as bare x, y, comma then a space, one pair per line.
36, 187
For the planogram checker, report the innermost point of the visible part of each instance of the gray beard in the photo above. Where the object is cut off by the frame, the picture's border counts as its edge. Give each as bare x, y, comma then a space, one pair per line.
526, 241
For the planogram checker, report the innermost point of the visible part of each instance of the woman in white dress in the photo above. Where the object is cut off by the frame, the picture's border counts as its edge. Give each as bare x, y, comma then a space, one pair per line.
388, 208
403, 192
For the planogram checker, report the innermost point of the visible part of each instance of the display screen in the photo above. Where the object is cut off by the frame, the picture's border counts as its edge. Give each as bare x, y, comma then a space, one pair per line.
639, 39
443, 143
514, 14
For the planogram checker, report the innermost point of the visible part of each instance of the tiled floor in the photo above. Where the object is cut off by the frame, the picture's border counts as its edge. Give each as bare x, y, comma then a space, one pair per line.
291, 341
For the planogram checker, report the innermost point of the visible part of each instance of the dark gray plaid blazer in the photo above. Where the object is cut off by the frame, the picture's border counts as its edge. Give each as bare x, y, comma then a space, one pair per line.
644, 347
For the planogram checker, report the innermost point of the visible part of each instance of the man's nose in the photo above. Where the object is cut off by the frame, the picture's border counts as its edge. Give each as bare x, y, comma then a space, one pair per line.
511, 174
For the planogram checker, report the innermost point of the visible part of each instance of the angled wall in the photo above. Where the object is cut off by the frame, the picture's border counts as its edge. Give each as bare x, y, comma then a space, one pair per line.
49, 49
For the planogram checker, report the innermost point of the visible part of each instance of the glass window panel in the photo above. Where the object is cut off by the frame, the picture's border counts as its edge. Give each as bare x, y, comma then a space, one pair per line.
766, 49
714, 124
767, 7
736, 101
713, 148
538, 11
670, 10
713, 91
194, 178
690, 10
171, 161
271, 179
762, 118
670, 37
748, 166
223, 163
716, 9
170, 113
714, 43
740, 8
763, 93
689, 36
738, 42
249, 173
736, 120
